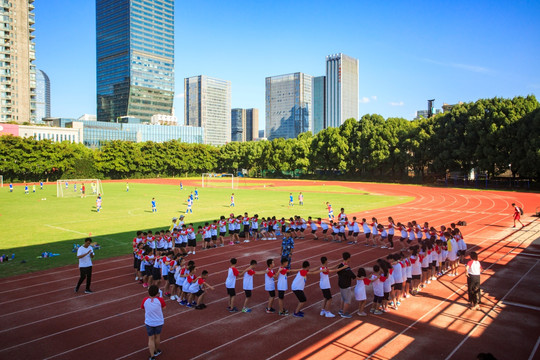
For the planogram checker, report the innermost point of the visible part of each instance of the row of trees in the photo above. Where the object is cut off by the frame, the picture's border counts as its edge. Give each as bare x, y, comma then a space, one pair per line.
491, 135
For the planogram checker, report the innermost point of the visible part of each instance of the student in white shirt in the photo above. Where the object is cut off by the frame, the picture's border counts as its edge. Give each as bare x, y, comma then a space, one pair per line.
153, 306
360, 290
474, 269
324, 284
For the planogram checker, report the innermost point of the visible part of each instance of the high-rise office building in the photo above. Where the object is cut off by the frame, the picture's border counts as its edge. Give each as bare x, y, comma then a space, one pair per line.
43, 96
238, 125
319, 103
288, 105
252, 124
17, 53
135, 58
207, 103
244, 124
341, 89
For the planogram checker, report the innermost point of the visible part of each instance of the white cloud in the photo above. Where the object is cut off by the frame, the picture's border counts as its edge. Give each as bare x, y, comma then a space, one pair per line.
365, 99
400, 103
179, 96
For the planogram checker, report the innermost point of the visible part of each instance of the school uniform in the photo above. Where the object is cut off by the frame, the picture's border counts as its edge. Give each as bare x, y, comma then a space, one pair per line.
230, 282
324, 282
299, 284
360, 289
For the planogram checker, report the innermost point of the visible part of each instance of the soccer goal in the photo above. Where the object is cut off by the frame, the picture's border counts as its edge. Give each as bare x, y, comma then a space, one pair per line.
1, 180
73, 187
219, 180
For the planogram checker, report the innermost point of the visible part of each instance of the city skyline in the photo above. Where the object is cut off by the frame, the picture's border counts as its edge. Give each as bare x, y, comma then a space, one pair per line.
407, 53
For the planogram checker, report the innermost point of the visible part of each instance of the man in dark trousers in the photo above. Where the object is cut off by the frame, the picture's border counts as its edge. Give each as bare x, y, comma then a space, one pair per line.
345, 278
85, 255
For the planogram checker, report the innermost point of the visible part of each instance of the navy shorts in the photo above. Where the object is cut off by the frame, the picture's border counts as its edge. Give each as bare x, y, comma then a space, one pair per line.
231, 292
281, 294
377, 299
248, 293
326, 294
272, 293
300, 295
153, 330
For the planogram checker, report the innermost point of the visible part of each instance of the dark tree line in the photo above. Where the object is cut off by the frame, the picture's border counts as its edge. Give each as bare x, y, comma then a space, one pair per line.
490, 135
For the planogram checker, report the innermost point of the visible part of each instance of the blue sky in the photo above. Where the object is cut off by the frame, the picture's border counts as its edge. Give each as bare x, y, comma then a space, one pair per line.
409, 51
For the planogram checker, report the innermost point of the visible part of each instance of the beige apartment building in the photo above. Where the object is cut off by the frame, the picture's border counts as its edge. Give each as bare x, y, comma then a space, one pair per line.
17, 54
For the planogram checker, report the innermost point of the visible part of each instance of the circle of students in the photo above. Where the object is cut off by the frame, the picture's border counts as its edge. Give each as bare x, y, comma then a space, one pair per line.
424, 253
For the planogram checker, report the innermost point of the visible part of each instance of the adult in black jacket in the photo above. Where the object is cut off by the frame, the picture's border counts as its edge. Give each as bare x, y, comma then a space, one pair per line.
345, 278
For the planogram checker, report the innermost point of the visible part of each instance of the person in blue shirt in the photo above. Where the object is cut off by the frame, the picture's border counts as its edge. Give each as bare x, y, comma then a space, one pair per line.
191, 196
41, 184
291, 199
189, 203
287, 246
25, 188
154, 209
196, 194
181, 186
10, 187
232, 200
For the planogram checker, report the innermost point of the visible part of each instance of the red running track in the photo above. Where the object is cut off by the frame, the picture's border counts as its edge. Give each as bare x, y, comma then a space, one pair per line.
42, 318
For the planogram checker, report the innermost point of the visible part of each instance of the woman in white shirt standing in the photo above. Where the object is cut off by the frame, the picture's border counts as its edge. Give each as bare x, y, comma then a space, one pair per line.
473, 281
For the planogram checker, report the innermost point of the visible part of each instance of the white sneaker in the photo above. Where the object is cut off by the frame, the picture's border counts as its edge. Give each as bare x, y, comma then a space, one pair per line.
323, 312
193, 252
329, 315
136, 278
189, 252
173, 297
246, 241
274, 238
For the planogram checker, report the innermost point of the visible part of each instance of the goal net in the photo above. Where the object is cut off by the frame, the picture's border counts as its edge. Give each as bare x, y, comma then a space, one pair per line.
74, 187
219, 180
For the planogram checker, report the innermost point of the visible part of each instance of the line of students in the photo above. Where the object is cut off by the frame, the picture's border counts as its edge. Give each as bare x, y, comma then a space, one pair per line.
155, 258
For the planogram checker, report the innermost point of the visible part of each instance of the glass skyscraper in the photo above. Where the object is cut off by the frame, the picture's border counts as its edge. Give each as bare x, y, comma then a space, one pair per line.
288, 105
43, 96
238, 124
341, 89
244, 124
319, 103
135, 58
207, 104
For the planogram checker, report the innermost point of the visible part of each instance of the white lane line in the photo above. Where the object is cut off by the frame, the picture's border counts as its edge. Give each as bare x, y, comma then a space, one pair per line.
455, 292
490, 310
531, 307
533, 352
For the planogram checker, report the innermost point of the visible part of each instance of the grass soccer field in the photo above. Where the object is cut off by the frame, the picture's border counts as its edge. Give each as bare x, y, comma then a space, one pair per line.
40, 222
